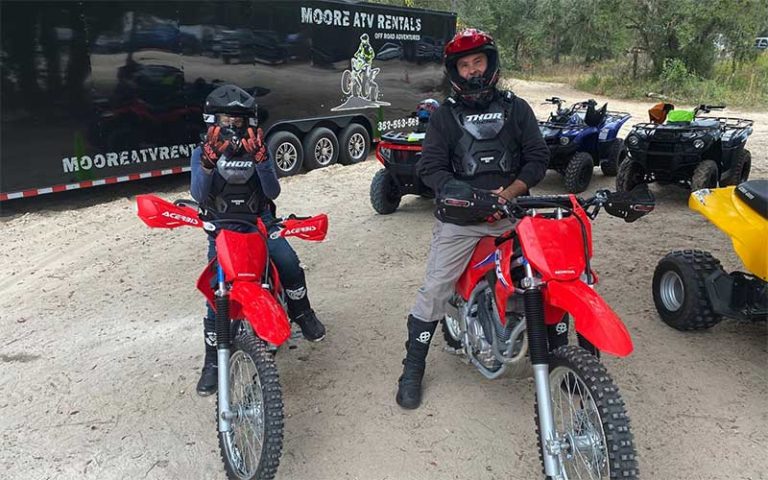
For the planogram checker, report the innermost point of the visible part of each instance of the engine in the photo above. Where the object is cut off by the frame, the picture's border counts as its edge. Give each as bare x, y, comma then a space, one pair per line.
490, 344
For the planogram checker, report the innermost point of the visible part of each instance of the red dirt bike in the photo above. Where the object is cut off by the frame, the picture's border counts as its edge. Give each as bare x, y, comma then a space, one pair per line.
251, 322
511, 307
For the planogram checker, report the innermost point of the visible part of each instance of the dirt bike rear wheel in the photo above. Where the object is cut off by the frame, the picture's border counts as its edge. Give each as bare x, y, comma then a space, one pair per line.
251, 449
590, 418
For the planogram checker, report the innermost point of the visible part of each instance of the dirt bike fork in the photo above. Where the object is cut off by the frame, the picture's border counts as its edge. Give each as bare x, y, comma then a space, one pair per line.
223, 343
538, 349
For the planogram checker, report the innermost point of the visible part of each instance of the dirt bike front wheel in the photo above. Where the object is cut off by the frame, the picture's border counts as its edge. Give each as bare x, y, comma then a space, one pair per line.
251, 449
590, 419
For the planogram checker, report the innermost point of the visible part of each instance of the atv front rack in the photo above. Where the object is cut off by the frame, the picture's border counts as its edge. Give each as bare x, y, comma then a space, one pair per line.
400, 138
726, 123
610, 117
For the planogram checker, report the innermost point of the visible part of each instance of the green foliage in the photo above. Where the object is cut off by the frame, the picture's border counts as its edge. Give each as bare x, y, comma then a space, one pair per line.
674, 74
686, 49
747, 87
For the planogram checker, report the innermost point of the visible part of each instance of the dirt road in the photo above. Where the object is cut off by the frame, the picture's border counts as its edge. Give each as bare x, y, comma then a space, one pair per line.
102, 345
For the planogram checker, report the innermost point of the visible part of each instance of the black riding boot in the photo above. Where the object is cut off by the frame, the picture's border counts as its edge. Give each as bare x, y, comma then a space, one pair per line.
209, 377
311, 326
409, 385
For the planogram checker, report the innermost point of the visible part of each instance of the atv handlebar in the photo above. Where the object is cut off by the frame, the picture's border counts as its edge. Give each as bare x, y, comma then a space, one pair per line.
707, 108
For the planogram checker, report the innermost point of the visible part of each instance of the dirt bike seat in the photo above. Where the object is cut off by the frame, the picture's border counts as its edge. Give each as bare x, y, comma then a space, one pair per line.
755, 194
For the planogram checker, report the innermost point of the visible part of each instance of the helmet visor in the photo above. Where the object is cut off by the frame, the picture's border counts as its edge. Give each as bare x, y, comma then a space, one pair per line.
229, 121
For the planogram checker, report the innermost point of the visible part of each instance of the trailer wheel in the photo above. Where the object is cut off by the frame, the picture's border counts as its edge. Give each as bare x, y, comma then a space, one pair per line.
321, 148
287, 152
354, 144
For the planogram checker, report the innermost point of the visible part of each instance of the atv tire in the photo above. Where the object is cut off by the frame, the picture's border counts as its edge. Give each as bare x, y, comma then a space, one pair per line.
704, 175
578, 173
679, 291
630, 174
385, 195
616, 155
739, 171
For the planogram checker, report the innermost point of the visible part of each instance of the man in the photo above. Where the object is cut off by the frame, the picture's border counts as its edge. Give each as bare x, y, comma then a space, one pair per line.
233, 176
480, 138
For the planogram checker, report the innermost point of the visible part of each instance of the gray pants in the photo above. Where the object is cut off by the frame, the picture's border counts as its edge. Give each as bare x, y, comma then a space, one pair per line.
449, 254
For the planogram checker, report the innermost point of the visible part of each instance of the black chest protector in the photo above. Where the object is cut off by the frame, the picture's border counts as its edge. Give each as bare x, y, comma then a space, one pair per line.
488, 143
236, 188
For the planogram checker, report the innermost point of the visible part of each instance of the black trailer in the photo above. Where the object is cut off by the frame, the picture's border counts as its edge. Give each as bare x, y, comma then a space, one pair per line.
101, 92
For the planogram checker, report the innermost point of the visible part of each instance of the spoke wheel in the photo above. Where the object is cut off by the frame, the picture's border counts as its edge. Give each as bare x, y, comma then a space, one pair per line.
590, 419
251, 449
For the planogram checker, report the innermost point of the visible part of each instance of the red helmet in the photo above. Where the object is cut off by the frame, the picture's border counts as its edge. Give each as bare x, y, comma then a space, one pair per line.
476, 91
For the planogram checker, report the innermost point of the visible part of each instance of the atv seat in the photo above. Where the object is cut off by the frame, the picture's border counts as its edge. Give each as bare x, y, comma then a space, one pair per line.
706, 122
755, 194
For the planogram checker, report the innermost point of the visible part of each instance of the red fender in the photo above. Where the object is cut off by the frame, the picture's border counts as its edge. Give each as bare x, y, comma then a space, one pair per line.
263, 312
592, 316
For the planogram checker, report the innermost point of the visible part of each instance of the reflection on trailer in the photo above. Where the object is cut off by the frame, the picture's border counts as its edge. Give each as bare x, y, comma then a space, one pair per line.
114, 91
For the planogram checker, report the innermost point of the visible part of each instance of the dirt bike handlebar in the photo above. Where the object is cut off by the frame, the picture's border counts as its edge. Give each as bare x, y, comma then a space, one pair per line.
290, 222
626, 205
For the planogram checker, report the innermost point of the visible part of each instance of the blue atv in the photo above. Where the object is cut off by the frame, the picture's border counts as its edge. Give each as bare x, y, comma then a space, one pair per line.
582, 137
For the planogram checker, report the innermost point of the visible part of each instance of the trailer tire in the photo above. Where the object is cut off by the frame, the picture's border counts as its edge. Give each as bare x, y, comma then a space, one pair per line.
286, 150
321, 148
354, 144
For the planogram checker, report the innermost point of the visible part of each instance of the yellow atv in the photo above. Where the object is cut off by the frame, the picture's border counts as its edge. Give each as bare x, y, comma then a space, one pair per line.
690, 288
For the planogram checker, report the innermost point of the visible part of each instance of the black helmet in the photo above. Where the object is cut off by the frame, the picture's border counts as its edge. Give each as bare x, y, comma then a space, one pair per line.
476, 91
460, 204
230, 100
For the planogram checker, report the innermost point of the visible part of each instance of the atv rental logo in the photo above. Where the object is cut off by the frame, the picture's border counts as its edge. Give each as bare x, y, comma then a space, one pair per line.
126, 157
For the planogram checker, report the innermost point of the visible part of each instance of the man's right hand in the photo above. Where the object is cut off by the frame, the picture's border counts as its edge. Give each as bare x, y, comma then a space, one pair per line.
213, 147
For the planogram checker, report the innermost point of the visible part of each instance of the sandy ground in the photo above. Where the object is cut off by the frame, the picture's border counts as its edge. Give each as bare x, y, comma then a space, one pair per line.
102, 345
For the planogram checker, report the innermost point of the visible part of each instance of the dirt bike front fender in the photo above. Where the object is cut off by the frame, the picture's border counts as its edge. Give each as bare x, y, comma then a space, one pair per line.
593, 318
263, 312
